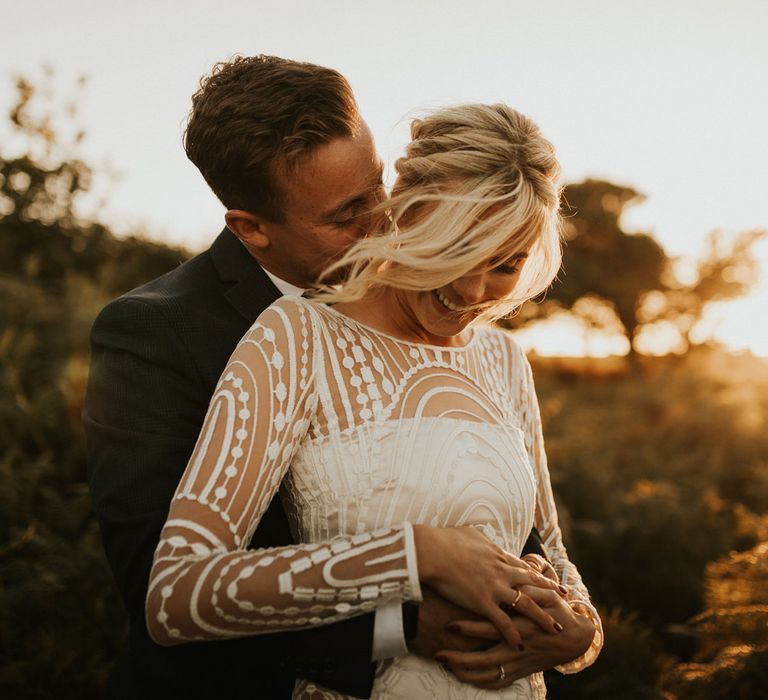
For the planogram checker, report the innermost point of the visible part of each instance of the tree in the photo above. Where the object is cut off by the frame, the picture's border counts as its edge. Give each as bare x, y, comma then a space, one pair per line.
602, 259
43, 240
610, 274
726, 270
606, 271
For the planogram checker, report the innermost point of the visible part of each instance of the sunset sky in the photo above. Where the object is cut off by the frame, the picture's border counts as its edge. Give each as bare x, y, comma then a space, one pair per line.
669, 97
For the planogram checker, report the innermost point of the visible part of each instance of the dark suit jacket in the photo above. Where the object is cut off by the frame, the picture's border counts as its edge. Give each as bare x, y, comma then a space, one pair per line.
157, 353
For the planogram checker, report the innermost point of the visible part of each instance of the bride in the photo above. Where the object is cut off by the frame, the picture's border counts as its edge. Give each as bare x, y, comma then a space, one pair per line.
402, 431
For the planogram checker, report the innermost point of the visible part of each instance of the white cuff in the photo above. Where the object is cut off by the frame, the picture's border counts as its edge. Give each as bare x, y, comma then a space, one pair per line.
388, 633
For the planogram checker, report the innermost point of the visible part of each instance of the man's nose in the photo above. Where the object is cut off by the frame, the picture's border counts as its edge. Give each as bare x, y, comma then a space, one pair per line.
470, 288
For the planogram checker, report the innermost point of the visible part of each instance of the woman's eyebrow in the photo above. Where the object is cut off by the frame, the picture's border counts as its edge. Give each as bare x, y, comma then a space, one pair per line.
516, 256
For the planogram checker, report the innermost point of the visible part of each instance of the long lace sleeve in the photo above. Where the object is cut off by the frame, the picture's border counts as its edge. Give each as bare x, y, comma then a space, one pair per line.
545, 518
205, 583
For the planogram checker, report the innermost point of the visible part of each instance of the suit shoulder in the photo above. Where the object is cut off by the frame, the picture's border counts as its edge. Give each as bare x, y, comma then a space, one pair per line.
188, 279
166, 293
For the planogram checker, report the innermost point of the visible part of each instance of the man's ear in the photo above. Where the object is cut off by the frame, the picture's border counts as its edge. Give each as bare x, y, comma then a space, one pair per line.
249, 228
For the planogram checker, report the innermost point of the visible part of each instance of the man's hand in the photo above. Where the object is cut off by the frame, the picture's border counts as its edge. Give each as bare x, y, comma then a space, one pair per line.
436, 614
467, 568
541, 650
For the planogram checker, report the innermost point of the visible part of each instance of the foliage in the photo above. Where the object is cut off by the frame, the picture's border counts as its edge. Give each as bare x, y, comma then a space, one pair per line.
61, 620
628, 667
660, 471
733, 659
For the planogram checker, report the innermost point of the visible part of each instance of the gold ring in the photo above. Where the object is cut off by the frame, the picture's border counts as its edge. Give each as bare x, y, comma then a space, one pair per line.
517, 600
502, 673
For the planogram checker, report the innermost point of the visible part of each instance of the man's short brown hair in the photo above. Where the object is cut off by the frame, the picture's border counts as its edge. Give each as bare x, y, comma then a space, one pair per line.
255, 116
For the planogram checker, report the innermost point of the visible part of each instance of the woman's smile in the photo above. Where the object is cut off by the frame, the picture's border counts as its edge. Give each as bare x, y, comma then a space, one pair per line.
447, 303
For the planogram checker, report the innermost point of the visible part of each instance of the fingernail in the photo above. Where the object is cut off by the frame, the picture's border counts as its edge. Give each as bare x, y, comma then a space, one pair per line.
440, 658
521, 647
447, 668
558, 627
453, 627
563, 590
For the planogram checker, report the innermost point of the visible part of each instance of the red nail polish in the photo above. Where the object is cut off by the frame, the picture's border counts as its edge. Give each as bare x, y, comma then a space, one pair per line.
441, 659
453, 627
563, 590
558, 627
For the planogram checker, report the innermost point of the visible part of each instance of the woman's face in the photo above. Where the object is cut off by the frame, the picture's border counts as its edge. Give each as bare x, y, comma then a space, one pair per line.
442, 314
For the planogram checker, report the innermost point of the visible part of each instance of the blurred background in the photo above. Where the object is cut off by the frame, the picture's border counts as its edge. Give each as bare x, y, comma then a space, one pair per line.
650, 352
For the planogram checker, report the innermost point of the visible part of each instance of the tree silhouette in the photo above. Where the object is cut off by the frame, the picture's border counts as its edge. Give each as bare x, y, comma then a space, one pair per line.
727, 269
603, 260
609, 273
43, 240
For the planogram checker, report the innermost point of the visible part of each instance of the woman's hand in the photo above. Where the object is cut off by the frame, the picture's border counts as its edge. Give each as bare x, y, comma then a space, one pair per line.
465, 567
541, 651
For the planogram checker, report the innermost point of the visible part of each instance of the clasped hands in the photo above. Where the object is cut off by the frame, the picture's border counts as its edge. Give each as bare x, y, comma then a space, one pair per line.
475, 642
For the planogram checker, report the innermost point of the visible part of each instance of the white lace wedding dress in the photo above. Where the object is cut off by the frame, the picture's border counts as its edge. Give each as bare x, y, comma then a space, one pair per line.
363, 434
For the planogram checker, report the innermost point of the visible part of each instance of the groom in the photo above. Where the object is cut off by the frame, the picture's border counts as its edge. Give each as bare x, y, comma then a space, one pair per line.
284, 148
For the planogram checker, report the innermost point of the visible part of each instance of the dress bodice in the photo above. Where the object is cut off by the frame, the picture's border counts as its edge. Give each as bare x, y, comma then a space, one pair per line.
442, 472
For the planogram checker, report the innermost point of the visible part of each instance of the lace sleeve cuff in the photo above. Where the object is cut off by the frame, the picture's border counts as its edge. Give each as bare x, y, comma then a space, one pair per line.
591, 654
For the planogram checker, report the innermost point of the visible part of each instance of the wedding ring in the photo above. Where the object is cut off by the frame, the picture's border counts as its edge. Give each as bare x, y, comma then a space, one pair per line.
502, 673
517, 600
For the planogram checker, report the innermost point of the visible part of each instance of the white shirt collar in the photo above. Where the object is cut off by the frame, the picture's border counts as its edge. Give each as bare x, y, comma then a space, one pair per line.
285, 288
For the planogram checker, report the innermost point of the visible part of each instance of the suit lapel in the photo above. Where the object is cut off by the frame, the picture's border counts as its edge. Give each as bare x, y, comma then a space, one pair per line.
249, 291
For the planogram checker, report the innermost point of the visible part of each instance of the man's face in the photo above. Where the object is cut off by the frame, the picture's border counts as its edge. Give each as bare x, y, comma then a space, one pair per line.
326, 202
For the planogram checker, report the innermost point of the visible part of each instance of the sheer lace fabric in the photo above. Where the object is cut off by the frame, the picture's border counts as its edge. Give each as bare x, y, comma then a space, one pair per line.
363, 434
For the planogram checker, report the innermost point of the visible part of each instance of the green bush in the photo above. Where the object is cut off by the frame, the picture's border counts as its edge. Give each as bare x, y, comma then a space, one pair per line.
61, 618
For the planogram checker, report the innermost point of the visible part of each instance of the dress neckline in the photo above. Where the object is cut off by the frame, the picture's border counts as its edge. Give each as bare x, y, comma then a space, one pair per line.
441, 348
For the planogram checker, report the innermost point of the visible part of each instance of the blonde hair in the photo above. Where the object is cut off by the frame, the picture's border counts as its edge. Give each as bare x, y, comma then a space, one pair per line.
478, 184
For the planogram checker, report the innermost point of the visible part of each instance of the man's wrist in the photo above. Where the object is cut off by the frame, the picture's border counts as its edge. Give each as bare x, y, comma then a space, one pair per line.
410, 621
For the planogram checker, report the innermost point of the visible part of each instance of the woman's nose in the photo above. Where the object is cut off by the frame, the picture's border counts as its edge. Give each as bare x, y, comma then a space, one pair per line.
470, 288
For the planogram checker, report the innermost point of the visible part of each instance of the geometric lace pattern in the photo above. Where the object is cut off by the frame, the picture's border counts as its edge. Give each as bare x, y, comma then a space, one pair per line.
364, 434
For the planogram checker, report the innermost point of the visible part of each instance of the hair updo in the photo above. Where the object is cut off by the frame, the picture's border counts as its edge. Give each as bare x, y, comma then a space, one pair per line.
477, 183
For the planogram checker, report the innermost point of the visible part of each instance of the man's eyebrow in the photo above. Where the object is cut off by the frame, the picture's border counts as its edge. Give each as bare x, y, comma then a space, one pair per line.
349, 203
360, 198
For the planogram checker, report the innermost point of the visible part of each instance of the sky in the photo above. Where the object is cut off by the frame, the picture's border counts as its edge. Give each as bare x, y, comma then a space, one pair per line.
668, 97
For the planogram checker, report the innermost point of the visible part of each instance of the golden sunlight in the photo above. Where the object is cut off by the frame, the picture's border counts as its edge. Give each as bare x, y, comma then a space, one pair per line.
741, 324
565, 335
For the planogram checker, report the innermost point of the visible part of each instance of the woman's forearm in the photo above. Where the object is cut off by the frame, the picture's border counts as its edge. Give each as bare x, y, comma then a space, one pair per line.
197, 595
